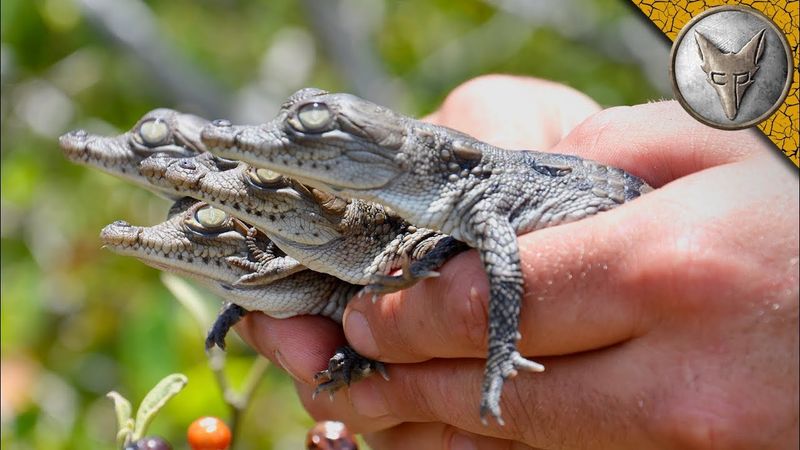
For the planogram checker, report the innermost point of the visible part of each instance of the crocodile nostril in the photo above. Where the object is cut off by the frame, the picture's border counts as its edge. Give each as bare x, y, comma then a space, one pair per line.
221, 123
188, 165
121, 223
78, 133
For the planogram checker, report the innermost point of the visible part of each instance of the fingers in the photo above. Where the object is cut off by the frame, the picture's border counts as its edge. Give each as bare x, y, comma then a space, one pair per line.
436, 436
301, 345
514, 112
576, 404
658, 141
415, 393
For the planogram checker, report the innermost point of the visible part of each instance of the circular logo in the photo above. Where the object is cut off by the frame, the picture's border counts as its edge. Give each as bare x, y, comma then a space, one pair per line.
731, 67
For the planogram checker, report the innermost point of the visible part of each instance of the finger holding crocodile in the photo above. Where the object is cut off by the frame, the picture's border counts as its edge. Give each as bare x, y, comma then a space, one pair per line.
301, 345
436, 436
577, 404
658, 141
513, 111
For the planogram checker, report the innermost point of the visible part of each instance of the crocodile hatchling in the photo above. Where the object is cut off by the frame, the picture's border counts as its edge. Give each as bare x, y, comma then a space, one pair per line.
198, 241
356, 241
434, 177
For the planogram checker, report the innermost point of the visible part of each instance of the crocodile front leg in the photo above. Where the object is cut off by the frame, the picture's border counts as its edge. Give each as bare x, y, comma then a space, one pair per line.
418, 270
497, 246
264, 265
264, 271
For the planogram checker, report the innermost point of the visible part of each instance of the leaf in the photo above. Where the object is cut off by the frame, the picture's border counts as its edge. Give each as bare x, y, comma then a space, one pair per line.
155, 400
124, 421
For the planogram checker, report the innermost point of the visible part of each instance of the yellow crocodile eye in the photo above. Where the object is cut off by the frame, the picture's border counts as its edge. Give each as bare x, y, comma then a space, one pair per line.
267, 176
154, 132
264, 178
210, 217
314, 116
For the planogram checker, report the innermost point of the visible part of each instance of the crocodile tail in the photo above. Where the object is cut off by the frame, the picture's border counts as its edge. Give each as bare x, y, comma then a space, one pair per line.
634, 187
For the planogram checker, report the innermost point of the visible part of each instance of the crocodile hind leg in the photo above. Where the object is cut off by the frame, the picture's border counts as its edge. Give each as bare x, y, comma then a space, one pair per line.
346, 367
497, 246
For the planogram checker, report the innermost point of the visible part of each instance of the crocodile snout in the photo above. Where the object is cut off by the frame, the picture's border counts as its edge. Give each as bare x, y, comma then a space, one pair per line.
120, 233
74, 141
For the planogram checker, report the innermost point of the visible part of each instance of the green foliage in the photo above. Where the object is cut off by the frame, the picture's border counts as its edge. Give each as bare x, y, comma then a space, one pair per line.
78, 321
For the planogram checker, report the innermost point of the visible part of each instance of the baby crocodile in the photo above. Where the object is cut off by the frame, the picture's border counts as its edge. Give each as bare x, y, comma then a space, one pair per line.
438, 178
350, 239
159, 131
197, 240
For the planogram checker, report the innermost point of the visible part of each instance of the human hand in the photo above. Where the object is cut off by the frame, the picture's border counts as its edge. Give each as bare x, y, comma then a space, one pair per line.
668, 322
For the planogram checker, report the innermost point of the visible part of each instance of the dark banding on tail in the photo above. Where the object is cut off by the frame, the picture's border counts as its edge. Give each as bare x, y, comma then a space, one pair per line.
634, 187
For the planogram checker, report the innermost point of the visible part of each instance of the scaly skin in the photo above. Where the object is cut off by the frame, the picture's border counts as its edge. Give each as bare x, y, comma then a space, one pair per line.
159, 131
437, 178
351, 240
184, 245
188, 244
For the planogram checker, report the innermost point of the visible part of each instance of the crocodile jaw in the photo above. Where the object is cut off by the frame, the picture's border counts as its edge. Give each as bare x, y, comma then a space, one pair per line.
166, 248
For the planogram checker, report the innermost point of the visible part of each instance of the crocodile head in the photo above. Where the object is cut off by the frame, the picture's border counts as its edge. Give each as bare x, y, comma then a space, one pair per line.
159, 131
194, 241
277, 205
335, 142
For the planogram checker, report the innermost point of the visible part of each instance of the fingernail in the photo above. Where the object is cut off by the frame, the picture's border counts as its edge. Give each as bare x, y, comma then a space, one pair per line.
368, 401
462, 442
285, 366
359, 334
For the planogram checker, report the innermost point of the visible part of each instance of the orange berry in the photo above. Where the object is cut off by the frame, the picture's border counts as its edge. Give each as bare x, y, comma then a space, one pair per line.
209, 433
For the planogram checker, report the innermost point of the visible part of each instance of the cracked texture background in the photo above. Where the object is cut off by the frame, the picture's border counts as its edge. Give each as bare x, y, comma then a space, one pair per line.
783, 127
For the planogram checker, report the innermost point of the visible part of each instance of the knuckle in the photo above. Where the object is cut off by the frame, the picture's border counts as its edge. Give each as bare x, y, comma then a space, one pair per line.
468, 315
478, 88
691, 421
689, 264
602, 125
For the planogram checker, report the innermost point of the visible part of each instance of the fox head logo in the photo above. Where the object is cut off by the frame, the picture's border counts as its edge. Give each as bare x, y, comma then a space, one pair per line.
730, 73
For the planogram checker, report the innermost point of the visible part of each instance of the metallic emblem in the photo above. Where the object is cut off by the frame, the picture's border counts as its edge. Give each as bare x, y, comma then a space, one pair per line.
731, 67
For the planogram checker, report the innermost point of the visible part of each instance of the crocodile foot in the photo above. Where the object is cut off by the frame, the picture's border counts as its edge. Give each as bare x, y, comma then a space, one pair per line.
381, 284
263, 272
256, 275
230, 314
494, 377
420, 269
346, 367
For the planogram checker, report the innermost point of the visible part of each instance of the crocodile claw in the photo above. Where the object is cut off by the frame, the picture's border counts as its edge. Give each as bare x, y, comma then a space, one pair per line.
385, 284
493, 380
345, 367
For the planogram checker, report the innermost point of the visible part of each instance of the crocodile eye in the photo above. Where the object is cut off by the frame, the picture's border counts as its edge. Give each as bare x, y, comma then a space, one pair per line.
264, 177
211, 218
314, 117
154, 132
267, 176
